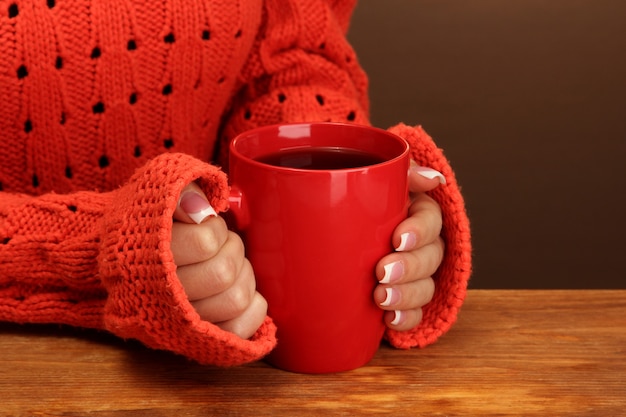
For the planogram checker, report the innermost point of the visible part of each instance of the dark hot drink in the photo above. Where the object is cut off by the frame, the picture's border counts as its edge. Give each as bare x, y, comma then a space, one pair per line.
320, 158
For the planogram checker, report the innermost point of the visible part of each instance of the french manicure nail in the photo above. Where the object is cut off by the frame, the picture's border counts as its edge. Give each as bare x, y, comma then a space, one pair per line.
429, 173
393, 272
407, 241
196, 207
390, 298
397, 317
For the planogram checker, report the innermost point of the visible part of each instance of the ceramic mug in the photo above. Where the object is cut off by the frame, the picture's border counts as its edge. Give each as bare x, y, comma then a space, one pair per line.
316, 205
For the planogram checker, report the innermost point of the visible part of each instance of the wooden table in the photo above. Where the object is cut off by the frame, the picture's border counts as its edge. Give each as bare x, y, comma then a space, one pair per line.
527, 353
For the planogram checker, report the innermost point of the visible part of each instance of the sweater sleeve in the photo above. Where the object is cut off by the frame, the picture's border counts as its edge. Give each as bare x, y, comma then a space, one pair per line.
454, 272
103, 260
302, 69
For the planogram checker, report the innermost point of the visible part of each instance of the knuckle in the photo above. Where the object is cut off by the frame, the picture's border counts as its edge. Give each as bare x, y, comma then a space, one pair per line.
240, 299
430, 258
441, 249
262, 304
423, 294
209, 237
435, 218
239, 328
429, 290
236, 242
245, 327
429, 207
437, 256
223, 272
205, 243
226, 268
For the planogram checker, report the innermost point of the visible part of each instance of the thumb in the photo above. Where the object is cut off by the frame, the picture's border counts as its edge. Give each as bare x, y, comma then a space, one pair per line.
193, 206
422, 179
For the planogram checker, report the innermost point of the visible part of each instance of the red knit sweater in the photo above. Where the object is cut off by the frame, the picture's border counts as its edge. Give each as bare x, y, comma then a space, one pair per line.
108, 109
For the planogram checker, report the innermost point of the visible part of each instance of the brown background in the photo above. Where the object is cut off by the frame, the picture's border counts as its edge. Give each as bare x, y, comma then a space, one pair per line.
528, 99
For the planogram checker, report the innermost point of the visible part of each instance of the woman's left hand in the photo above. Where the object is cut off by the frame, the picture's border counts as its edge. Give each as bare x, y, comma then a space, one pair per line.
405, 276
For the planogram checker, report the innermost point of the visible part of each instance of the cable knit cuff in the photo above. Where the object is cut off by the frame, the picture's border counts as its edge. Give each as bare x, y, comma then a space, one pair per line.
453, 274
145, 298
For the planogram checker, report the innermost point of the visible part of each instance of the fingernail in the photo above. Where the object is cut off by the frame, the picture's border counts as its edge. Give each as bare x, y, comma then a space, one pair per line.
196, 207
397, 317
393, 272
407, 241
428, 173
391, 297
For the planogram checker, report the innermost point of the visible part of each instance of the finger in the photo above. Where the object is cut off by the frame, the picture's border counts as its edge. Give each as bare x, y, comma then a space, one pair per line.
231, 303
423, 179
411, 295
403, 320
250, 320
421, 227
193, 243
215, 275
193, 206
403, 267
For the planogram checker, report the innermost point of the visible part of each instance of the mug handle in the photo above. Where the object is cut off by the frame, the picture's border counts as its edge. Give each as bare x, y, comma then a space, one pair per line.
237, 215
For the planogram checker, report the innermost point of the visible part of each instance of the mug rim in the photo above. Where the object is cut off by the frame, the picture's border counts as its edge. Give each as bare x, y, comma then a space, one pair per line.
305, 127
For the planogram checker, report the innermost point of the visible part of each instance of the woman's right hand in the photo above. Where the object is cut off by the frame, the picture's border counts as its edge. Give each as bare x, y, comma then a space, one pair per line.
212, 267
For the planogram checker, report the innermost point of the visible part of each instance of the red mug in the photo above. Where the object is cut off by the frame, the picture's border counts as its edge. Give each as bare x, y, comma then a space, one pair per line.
316, 205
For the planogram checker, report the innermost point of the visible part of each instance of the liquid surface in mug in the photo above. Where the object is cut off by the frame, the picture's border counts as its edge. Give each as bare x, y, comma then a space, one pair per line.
318, 158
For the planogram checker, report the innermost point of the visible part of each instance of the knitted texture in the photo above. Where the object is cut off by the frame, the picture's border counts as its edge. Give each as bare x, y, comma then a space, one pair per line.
109, 109
145, 299
453, 274
103, 261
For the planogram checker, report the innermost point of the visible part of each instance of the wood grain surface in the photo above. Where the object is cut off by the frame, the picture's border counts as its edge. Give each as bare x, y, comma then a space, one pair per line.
512, 352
